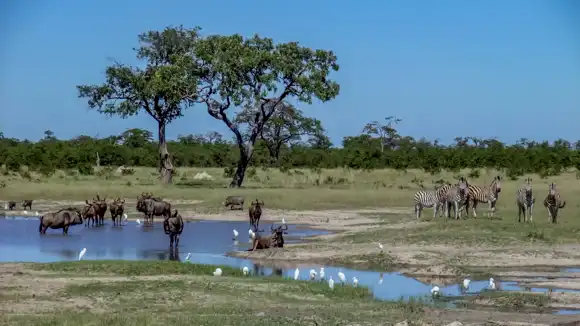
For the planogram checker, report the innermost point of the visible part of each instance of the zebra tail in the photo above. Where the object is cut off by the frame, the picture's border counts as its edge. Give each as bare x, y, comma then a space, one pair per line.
563, 204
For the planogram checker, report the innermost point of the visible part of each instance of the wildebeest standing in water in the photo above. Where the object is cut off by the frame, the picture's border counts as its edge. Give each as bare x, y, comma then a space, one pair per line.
89, 213
275, 240
255, 213
152, 206
27, 203
173, 226
62, 219
117, 208
11, 205
101, 207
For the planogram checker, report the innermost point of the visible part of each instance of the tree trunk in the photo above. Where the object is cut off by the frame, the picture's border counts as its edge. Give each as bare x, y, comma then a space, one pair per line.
246, 152
165, 163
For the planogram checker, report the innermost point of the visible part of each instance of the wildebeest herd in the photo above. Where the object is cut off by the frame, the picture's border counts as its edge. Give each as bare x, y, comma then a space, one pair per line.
463, 195
94, 211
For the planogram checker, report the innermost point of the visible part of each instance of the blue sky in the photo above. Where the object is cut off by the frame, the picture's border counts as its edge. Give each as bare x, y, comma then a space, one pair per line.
505, 69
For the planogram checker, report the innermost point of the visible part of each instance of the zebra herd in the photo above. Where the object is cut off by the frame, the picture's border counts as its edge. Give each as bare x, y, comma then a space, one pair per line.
462, 195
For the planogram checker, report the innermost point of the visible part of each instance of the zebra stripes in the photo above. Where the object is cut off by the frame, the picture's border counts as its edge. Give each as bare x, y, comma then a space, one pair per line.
455, 198
525, 201
486, 194
426, 199
553, 203
444, 196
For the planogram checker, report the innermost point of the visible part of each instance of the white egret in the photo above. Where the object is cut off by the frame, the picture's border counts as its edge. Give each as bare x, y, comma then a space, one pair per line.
37, 213
6, 206
25, 212
283, 221
435, 291
245, 270
235, 234
491, 284
381, 278
138, 222
312, 274
125, 217
296, 274
466, 284
354, 281
82, 253
341, 277
251, 234
218, 272
188, 256
331, 283
321, 273
381, 247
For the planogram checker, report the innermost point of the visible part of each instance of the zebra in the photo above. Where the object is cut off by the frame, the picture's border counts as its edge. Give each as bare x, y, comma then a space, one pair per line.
553, 202
486, 194
525, 201
428, 199
455, 198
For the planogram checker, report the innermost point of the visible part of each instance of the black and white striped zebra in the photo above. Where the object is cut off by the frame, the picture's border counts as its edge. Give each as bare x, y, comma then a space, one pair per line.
456, 198
486, 194
553, 203
429, 199
525, 200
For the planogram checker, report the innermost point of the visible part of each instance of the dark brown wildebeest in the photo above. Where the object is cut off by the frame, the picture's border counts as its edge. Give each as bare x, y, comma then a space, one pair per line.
255, 213
27, 203
101, 207
173, 226
234, 201
11, 205
117, 208
152, 206
62, 219
274, 240
89, 213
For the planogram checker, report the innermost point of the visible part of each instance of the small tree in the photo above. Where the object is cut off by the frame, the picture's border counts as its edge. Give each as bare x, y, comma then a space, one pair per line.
258, 75
163, 89
384, 132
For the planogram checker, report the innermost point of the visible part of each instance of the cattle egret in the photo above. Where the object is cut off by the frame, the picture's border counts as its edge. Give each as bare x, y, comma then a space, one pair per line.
491, 284
331, 283
341, 277
25, 212
138, 222
435, 291
312, 274
355, 281
235, 234
283, 221
381, 278
218, 272
466, 284
82, 253
245, 270
37, 213
296, 274
188, 256
380, 247
125, 217
251, 234
321, 273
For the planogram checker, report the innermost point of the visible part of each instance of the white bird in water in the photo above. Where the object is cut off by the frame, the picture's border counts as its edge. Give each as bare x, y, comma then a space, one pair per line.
245, 270
435, 291
296, 274
218, 272
321, 273
138, 221
491, 284
235, 234
188, 256
354, 281
283, 221
312, 274
331, 283
251, 234
466, 284
125, 217
381, 278
341, 277
82, 253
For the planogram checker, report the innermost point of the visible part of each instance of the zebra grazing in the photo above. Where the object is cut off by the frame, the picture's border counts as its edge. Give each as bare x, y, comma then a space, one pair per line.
525, 201
553, 203
486, 194
428, 199
455, 198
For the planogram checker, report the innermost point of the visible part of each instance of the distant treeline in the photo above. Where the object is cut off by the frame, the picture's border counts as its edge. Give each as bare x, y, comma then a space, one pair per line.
136, 147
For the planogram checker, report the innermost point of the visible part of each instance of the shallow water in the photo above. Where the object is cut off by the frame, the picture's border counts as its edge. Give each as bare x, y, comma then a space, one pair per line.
207, 241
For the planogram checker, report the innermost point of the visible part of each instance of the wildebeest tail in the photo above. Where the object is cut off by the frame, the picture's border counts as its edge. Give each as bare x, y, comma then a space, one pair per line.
166, 226
40, 224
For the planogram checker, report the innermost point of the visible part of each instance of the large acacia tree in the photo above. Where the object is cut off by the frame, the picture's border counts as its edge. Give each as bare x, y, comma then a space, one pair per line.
163, 87
258, 75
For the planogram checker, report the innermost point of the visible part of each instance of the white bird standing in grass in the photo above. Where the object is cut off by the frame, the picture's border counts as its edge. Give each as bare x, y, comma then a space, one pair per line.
235, 234
82, 253
312, 274
354, 281
218, 272
331, 283
435, 291
296, 274
321, 273
466, 284
245, 270
491, 284
381, 247
341, 277
188, 256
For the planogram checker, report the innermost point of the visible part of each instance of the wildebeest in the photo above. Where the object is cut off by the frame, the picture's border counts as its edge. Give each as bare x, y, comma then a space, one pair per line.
274, 240
173, 226
152, 206
117, 208
255, 213
11, 205
101, 207
27, 203
89, 213
234, 201
62, 219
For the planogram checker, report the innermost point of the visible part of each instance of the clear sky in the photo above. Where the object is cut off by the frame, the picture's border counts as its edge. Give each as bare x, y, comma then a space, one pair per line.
448, 68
